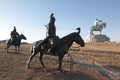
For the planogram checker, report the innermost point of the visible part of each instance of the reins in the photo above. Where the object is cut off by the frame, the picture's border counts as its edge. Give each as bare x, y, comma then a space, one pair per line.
75, 48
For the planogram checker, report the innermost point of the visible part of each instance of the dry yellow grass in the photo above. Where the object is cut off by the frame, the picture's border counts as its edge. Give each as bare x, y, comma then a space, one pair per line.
13, 66
100, 46
110, 47
102, 53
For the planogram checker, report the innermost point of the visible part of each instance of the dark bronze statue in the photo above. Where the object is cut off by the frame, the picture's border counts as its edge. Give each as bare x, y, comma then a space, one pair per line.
14, 35
59, 50
51, 31
51, 26
15, 40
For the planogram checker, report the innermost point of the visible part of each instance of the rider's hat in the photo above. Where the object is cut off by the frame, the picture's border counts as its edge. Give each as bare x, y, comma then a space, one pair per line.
14, 27
51, 14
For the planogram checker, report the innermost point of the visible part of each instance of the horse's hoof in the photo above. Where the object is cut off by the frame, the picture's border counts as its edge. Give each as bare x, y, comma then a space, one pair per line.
27, 67
43, 67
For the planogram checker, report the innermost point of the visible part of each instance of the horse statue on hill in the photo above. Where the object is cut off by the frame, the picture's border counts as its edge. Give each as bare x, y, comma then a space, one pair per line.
60, 50
16, 43
97, 28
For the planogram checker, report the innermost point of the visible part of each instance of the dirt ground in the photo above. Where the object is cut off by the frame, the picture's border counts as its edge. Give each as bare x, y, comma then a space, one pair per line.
13, 66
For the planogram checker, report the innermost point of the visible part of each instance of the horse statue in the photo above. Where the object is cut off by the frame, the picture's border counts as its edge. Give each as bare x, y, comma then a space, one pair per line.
60, 50
97, 28
16, 43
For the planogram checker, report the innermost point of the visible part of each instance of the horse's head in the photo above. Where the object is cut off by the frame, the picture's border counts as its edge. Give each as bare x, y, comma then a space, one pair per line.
103, 24
23, 37
78, 39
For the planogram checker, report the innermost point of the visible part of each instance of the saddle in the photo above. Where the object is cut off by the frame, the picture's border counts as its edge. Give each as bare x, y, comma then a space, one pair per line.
49, 47
12, 41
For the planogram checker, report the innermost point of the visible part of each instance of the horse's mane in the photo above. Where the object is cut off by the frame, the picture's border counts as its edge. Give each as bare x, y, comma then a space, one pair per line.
68, 36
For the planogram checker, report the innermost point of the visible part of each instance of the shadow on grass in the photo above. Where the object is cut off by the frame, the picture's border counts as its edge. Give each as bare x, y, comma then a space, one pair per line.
55, 74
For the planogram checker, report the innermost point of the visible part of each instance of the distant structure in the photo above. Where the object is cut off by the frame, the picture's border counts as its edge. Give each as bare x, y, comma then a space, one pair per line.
98, 26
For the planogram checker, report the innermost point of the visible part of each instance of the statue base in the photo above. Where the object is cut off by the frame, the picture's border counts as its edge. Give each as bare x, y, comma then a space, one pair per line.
97, 38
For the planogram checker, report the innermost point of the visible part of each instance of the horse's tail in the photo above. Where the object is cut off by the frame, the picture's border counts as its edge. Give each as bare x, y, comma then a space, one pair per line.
31, 49
7, 44
7, 41
34, 45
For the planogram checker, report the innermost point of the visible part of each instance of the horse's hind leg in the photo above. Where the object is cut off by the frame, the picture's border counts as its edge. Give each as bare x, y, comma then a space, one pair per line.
40, 58
30, 58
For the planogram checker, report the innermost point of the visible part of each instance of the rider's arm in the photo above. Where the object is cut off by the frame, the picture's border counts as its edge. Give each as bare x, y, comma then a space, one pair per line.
17, 34
100, 20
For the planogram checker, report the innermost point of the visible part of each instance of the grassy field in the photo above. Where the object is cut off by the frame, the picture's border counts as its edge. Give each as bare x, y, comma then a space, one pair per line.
106, 54
13, 66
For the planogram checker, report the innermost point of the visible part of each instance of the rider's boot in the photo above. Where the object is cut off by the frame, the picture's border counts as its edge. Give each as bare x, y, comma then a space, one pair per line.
51, 50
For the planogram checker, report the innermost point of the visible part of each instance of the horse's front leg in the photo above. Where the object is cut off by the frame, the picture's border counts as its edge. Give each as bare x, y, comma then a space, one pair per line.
40, 58
15, 49
60, 62
18, 49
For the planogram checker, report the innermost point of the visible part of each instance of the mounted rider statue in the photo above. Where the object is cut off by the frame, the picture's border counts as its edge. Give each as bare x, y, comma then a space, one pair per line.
96, 23
52, 33
51, 37
98, 26
14, 35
